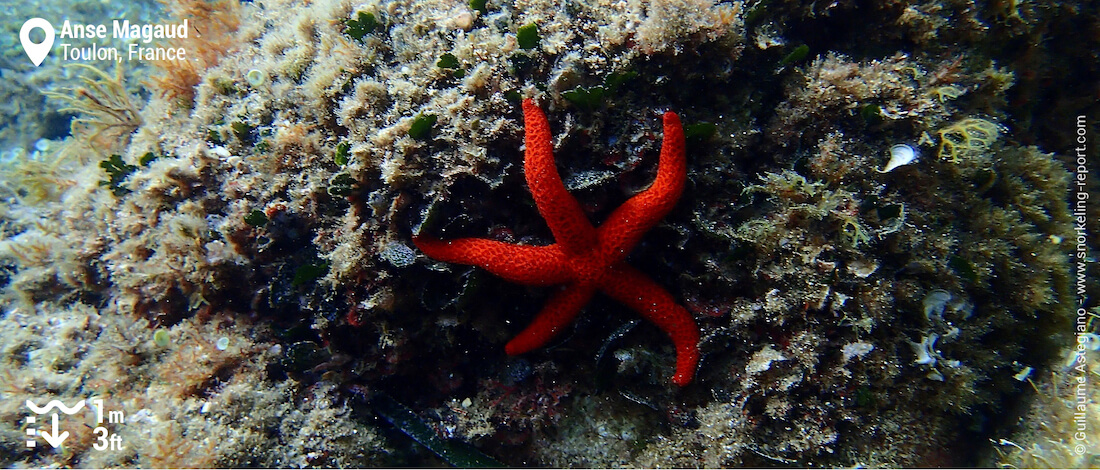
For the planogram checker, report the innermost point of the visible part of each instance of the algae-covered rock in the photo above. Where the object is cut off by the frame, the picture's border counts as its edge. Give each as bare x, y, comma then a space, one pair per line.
220, 247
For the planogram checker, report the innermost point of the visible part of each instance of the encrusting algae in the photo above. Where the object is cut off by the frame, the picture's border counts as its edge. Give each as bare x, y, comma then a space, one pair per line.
223, 248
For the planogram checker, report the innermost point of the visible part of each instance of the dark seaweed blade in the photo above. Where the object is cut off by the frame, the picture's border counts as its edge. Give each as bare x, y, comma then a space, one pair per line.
454, 452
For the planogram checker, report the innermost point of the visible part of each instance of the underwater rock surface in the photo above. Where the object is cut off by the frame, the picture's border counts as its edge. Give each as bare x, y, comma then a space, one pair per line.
875, 237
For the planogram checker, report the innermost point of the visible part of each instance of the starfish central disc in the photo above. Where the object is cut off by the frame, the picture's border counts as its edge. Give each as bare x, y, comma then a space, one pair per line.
585, 259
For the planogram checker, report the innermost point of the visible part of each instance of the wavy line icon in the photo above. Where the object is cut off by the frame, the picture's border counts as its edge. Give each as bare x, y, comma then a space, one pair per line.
55, 404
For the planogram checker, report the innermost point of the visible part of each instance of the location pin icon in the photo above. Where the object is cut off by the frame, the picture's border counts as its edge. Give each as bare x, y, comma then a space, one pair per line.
37, 52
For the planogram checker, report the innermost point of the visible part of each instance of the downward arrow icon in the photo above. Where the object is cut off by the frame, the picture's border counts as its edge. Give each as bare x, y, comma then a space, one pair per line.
54, 439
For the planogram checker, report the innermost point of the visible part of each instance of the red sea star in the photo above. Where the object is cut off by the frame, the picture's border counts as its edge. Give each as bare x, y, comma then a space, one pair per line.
585, 259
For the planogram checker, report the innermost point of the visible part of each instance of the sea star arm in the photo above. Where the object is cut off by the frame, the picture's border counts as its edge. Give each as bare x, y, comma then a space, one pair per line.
558, 312
637, 291
626, 225
562, 212
528, 265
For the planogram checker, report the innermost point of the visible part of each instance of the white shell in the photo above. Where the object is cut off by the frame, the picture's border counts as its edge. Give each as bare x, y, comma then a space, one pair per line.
900, 154
255, 77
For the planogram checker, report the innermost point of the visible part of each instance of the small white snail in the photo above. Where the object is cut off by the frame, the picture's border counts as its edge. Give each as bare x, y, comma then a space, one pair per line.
900, 154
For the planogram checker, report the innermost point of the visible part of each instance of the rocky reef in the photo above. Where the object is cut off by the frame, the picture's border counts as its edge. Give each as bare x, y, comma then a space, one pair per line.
221, 246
